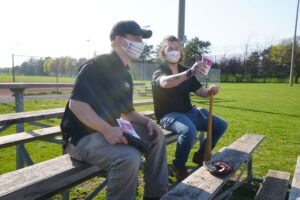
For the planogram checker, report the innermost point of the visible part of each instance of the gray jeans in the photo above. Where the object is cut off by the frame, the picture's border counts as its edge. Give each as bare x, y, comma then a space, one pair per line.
123, 162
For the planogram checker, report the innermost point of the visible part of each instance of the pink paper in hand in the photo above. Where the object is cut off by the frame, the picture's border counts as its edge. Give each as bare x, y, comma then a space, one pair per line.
126, 126
206, 60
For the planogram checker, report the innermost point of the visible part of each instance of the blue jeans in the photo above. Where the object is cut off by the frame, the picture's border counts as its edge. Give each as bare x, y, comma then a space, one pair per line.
186, 125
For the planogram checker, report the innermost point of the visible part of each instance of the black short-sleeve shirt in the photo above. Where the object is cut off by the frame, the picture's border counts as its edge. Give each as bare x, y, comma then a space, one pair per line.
106, 85
175, 99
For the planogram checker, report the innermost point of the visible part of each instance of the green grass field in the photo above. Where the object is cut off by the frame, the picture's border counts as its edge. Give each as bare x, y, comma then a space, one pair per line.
36, 79
272, 110
52, 79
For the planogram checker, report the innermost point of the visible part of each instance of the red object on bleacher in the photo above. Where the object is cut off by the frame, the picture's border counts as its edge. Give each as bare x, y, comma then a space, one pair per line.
218, 168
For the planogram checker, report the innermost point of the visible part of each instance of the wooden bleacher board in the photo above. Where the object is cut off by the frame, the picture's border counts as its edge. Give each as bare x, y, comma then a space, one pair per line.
295, 189
44, 133
274, 186
201, 184
24, 137
29, 116
58, 174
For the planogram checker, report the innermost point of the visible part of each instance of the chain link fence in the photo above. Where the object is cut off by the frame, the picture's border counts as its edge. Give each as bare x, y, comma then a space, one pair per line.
256, 68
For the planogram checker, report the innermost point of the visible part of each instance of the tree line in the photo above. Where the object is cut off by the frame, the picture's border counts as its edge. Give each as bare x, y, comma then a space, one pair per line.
63, 66
271, 62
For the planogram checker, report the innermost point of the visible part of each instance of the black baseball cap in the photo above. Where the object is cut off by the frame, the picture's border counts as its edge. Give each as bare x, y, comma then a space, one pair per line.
129, 27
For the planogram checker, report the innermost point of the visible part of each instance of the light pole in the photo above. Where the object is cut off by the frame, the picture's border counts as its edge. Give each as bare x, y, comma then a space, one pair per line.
13, 67
293, 51
181, 20
88, 41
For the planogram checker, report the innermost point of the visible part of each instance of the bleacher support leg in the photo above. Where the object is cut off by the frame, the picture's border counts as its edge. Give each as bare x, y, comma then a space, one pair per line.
249, 172
19, 102
65, 195
97, 190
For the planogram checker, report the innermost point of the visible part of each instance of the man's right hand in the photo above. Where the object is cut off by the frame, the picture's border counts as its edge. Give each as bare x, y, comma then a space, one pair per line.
115, 136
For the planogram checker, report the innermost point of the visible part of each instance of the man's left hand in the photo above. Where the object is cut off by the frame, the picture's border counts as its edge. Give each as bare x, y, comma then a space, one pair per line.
153, 129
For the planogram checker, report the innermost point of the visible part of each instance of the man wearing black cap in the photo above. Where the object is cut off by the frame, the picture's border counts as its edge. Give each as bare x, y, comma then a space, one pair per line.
103, 93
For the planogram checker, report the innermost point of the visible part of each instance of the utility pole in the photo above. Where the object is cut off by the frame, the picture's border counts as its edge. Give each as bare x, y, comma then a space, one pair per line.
181, 18
88, 41
13, 67
293, 51
56, 72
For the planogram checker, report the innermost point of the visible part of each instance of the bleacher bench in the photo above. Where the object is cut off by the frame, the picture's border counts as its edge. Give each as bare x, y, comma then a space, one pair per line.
202, 185
29, 116
295, 189
45, 179
274, 186
52, 176
47, 133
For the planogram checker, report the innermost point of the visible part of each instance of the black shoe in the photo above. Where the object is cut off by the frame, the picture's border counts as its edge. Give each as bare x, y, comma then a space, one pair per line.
151, 198
198, 159
180, 173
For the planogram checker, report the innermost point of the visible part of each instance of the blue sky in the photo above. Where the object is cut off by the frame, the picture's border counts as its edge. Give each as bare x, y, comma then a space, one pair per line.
62, 27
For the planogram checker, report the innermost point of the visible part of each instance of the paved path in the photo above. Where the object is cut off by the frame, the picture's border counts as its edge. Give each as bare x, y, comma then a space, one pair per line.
35, 97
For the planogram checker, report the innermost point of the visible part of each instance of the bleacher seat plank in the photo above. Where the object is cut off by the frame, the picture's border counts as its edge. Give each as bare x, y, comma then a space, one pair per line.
148, 113
143, 102
274, 186
295, 189
29, 116
45, 179
24, 137
39, 134
201, 184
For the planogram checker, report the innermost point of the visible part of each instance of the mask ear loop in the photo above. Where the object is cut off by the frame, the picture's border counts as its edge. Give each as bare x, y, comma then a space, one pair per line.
124, 42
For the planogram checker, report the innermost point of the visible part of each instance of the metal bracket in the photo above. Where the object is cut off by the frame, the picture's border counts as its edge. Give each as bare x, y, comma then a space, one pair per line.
97, 190
3, 128
39, 124
26, 156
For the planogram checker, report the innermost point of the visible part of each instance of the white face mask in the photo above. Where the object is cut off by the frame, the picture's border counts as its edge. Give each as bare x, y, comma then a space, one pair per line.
133, 49
173, 56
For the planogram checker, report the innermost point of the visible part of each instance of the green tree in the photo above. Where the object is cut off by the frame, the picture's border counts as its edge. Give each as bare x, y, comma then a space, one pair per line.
252, 65
61, 65
38, 70
147, 53
70, 65
267, 64
281, 54
194, 50
49, 66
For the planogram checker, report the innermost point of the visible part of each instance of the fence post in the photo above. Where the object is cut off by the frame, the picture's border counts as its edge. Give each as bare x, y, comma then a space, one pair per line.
13, 66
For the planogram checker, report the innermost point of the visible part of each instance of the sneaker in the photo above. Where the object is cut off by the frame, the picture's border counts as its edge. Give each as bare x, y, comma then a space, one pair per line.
180, 173
198, 159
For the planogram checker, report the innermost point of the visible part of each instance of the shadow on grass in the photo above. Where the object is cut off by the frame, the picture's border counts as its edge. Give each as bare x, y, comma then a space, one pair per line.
216, 100
244, 109
8, 105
